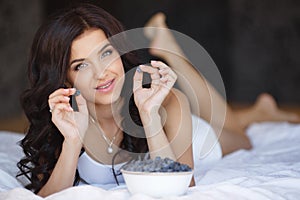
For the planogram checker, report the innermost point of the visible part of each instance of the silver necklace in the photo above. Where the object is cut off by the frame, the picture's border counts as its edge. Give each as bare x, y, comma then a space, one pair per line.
109, 142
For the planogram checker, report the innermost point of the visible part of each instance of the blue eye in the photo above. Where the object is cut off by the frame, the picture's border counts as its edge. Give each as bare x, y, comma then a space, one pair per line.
106, 53
80, 66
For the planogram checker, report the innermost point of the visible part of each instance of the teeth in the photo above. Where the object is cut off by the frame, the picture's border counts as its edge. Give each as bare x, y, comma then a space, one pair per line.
105, 86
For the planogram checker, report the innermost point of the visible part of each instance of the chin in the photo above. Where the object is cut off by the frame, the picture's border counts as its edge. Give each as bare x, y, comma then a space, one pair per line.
108, 99
115, 99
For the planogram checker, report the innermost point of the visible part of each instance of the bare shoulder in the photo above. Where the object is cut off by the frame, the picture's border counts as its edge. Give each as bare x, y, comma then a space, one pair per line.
175, 114
175, 97
174, 108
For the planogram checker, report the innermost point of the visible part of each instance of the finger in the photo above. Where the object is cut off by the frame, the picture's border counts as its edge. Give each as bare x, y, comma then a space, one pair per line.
149, 69
168, 73
138, 79
60, 107
58, 99
172, 77
165, 71
159, 64
168, 79
59, 95
62, 91
154, 74
170, 82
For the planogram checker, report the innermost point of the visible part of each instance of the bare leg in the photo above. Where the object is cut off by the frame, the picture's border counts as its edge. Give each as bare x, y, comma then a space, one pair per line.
205, 101
205, 97
164, 45
265, 109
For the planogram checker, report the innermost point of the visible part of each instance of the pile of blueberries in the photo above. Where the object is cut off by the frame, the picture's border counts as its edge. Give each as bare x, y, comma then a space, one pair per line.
155, 165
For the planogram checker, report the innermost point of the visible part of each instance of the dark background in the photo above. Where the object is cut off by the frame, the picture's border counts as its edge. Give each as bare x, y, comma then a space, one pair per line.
255, 44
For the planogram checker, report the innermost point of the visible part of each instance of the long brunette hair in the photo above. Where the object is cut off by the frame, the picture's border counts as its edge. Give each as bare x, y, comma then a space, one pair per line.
47, 71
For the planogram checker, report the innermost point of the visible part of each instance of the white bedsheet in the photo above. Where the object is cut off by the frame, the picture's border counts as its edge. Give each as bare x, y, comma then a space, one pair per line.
271, 170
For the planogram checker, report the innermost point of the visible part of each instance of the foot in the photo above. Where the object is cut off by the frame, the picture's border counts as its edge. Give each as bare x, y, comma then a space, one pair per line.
162, 42
265, 109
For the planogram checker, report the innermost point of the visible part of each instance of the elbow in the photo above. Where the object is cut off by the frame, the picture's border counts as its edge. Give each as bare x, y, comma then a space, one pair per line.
247, 144
192, 182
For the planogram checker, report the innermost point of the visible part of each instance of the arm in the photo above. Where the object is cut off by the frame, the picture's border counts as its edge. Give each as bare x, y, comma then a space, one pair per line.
178, 126
63, 173
157, 140
72, 126
175, 138
165, 115
149, 101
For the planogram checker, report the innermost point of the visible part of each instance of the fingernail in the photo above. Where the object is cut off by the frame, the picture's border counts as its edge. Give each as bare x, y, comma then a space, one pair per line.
77, 93
70, 108
153, 61
138, 69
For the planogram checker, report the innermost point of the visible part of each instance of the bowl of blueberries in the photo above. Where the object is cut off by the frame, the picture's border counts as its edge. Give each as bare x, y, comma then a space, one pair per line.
159, 177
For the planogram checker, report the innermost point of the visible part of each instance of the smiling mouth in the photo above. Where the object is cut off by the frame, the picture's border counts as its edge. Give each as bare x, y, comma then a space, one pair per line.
105, 85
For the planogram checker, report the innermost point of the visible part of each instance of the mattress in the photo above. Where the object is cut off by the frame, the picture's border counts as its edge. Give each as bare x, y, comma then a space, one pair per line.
270, 170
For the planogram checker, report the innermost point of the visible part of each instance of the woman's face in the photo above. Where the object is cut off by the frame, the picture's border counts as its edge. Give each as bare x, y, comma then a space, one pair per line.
96, 68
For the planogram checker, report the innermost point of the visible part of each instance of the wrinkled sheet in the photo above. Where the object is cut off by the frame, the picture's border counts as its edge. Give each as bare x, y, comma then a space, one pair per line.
270, 170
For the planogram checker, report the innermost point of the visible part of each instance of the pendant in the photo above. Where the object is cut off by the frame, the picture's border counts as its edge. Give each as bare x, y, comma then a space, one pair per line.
109, 150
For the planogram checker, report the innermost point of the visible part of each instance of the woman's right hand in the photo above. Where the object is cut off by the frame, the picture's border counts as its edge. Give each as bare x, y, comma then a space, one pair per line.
71, 124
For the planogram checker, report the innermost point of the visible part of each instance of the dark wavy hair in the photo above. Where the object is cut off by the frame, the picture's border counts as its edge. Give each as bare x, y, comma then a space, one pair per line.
47, 71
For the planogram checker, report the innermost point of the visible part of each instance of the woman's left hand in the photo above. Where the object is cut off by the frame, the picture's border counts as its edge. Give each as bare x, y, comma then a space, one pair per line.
162, 80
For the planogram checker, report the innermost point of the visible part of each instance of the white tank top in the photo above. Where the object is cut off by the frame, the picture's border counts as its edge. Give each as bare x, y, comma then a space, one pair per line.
95, 173
206, 152
206, 147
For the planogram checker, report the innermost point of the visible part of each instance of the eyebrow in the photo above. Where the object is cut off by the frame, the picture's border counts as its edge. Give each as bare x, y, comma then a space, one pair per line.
82, 59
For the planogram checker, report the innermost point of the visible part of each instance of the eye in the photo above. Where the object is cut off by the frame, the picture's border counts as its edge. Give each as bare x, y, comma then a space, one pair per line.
106, 53
80, 66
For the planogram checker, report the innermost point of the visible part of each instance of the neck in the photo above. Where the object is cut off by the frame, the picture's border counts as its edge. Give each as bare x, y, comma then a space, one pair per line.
107, 114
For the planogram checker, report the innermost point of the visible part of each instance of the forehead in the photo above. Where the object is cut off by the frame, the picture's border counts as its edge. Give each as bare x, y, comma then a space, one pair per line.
88, 41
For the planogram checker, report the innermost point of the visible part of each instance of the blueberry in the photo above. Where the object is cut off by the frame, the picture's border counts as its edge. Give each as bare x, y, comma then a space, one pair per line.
146, 164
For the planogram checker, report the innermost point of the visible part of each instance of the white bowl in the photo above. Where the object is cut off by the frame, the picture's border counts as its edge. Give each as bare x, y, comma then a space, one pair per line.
157, 184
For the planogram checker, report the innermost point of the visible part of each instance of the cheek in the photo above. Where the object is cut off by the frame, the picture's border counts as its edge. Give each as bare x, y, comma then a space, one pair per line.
70, 79
120, 67
79, 80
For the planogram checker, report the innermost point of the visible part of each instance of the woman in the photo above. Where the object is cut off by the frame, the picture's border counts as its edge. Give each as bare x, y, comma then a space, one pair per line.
66, 145
63, 57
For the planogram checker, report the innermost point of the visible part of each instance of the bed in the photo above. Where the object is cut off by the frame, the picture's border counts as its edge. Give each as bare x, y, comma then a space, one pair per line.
270, 170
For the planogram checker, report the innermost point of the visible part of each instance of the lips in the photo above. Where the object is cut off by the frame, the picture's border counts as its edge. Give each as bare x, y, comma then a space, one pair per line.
106, 86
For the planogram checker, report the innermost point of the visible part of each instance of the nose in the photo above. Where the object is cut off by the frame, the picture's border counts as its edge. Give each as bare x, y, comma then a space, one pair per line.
100, 71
